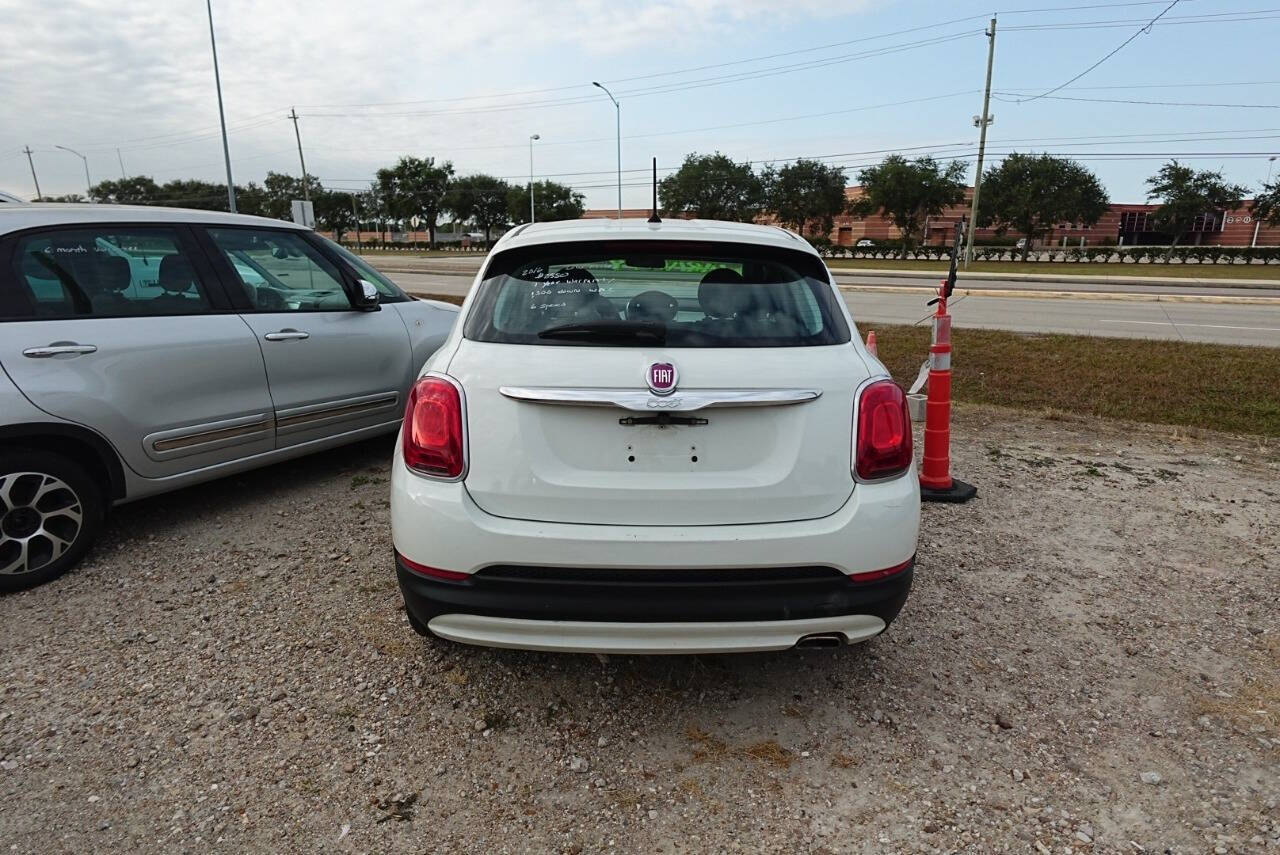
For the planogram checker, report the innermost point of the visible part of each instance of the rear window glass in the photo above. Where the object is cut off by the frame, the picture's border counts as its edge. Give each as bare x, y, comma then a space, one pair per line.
687, 295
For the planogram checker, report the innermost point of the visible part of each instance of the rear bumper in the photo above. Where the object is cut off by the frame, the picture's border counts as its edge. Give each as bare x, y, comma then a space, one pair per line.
652, 611
642, 638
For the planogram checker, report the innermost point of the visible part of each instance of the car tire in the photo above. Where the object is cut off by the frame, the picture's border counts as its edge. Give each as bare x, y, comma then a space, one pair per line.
51, 511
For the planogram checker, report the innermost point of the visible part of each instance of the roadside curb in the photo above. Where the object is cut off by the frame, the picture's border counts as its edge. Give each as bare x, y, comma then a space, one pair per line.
1070, 295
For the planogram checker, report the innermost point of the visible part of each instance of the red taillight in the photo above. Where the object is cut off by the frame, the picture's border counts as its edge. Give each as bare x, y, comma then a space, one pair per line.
433, 443
876, 575
431, 572
883, 448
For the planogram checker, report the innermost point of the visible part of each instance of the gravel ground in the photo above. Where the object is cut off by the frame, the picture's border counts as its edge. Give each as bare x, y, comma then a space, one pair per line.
1090, 662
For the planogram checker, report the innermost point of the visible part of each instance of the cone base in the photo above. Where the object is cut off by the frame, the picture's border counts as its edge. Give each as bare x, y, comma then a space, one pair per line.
958, 493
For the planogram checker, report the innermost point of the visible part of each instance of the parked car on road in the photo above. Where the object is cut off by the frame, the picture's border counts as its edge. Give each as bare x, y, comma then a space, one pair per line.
864, 243
146, 349
654, 438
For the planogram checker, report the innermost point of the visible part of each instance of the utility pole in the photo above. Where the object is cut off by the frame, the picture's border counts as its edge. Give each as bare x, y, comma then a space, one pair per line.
981, 122
356, 215
120, 158
306, 193
1257, 223
32, 164
222, 118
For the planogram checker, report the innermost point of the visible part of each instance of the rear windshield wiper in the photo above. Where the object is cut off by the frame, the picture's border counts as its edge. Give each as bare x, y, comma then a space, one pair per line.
608, 329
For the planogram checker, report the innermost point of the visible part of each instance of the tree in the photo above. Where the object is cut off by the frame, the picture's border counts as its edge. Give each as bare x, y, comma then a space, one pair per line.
1186, 194
481, 199
908, 192
280, 190
1266, 205
807, 195
551, 201
1031, 193
193, 193
713, 187
136, 190
415, 185
69, 197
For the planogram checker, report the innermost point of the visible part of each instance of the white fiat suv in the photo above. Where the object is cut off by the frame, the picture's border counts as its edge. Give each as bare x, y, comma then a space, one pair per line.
654, 438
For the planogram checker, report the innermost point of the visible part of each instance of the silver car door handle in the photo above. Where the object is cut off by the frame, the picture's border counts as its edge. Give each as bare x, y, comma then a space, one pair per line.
286, 335
58, 350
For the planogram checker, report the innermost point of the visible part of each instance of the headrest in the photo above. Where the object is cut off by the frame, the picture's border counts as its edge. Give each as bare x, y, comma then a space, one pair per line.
112, 274
176, 274
720, 293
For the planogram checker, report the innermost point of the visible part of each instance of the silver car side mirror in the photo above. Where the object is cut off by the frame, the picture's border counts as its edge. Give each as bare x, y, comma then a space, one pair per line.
368, 299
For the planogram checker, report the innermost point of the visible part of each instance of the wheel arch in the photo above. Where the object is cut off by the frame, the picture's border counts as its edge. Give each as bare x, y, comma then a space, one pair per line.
86, 447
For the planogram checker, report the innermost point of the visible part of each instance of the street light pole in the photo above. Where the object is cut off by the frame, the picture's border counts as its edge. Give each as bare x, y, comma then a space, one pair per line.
217, 82
1257, 223
617, 109
532, 137
88, 183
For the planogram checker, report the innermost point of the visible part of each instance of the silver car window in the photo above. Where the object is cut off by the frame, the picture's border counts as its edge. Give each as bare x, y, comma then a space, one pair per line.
107, 271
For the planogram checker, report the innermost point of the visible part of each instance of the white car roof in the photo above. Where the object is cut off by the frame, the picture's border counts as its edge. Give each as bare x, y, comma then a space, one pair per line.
26, 216
564, 231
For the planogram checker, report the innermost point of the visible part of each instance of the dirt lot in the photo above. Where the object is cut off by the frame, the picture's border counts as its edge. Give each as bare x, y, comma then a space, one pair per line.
1090, 662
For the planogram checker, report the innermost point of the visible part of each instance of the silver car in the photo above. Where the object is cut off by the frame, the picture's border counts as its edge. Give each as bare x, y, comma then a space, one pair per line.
147, 349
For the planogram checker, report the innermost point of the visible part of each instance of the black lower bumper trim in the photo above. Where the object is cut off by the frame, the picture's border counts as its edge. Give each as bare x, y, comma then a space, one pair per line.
648, 596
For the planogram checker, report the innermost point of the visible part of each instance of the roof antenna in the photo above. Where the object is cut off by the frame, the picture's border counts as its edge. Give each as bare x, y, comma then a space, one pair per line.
654, 218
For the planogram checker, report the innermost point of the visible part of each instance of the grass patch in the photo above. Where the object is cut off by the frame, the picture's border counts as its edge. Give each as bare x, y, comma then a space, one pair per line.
1215, 386
770, 752
1102, 268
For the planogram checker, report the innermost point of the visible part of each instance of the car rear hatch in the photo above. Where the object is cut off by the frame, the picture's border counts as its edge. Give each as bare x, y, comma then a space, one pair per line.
614, 425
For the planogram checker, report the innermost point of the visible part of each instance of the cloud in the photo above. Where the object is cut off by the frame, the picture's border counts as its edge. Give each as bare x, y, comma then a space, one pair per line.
96, 74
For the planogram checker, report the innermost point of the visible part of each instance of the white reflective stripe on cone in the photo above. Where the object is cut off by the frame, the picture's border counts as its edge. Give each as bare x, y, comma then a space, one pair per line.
939, 362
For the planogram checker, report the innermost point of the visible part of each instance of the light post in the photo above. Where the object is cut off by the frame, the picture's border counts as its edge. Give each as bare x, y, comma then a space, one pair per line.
1257, 223
532, 137
217, 82
88, 184
617, 108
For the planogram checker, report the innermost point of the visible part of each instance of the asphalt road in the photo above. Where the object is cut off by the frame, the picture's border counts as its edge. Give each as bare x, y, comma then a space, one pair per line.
1221, 322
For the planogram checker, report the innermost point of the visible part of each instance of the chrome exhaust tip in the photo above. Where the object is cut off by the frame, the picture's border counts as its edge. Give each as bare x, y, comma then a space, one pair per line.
822, 639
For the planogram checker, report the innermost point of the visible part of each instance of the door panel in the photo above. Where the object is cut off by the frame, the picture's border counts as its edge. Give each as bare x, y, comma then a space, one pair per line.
350, 371
171, 394
331, 368
120, 333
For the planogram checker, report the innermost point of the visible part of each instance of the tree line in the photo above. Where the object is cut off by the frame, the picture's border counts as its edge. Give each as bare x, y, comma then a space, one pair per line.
1026, 194
412, 187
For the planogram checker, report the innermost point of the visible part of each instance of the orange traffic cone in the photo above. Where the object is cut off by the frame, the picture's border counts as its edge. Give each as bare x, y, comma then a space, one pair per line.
936, 483
871, 344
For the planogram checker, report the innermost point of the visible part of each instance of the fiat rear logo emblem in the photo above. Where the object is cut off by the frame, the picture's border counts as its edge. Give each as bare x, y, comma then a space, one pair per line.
662, 378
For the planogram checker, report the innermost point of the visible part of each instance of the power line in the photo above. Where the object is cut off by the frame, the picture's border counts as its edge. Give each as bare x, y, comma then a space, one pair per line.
668, 88
1121, 47
1017, 100
672, 73
1075, 8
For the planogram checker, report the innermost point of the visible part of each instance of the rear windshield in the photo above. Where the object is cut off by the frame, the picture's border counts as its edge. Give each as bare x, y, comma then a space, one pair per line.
638, 292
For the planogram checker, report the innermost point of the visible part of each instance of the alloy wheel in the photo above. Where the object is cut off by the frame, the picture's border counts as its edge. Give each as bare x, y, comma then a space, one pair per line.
40, 519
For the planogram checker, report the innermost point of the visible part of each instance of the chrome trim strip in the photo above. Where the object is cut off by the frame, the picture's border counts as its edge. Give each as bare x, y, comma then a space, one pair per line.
643, 401
306, 416
163, 445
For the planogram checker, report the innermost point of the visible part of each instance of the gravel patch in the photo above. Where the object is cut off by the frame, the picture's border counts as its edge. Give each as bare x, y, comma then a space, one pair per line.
1090, 662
